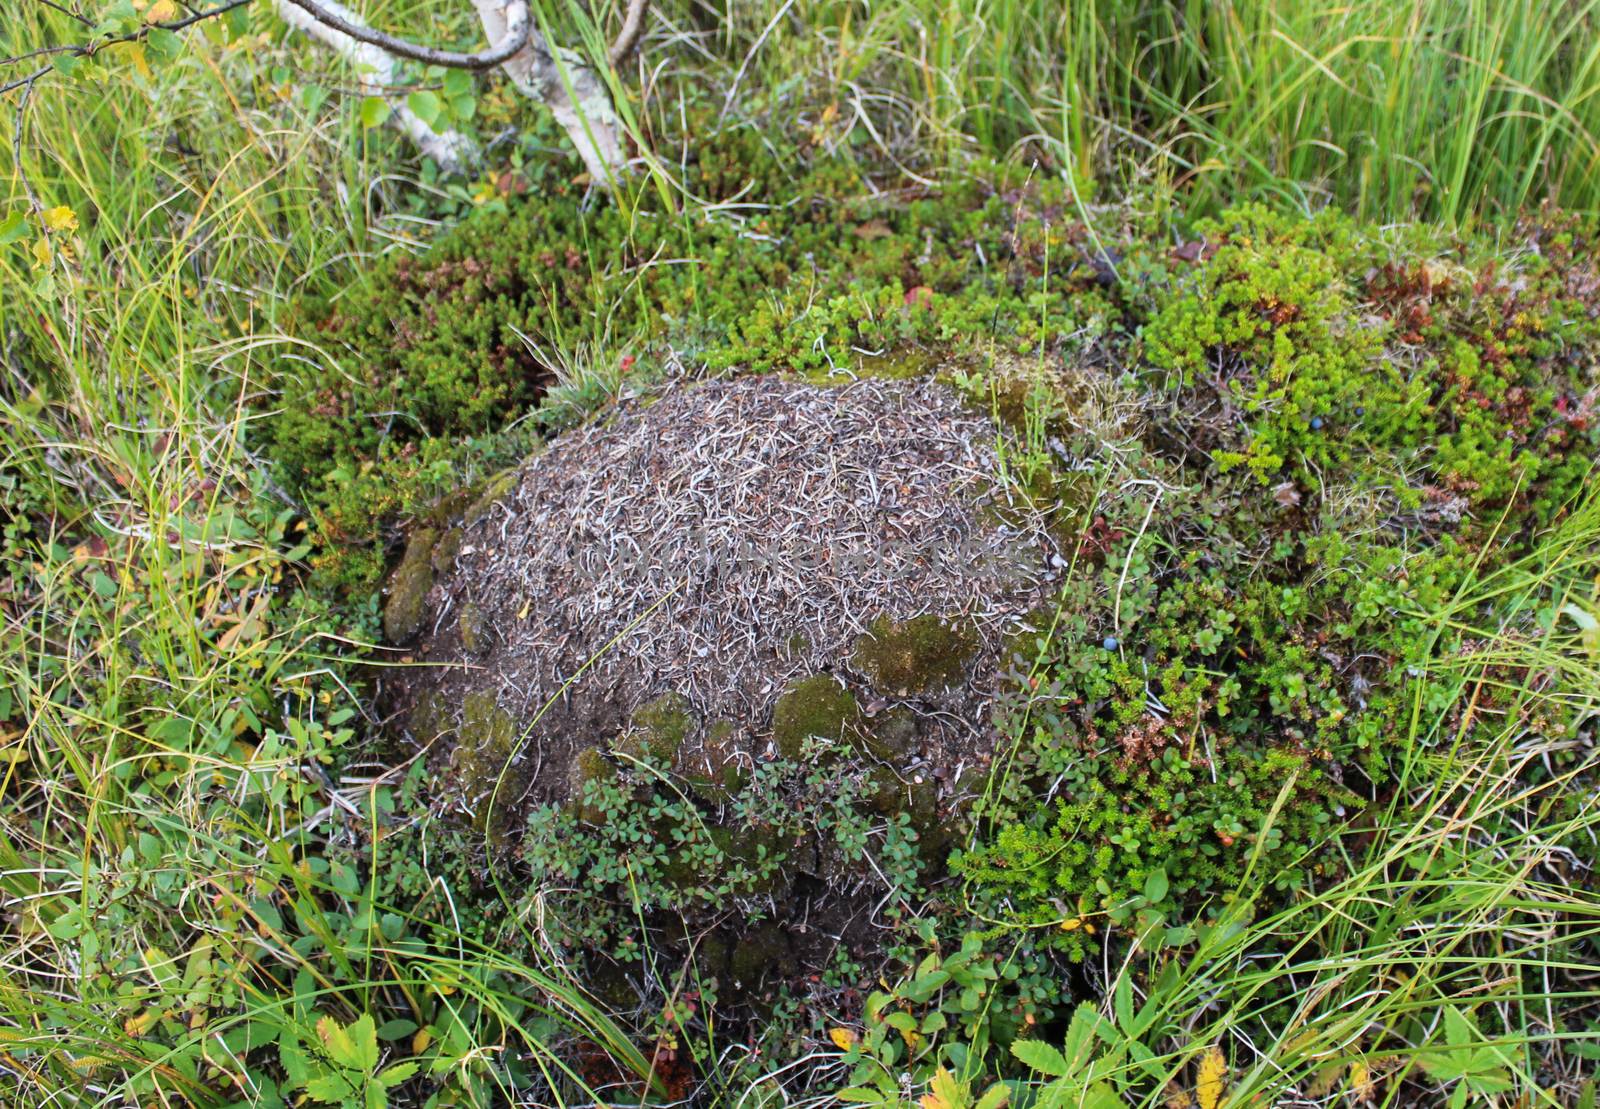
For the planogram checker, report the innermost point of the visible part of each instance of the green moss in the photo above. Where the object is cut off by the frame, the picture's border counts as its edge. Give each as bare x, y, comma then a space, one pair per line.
485, 744
918, 656
590, 769
763, 954
890, 736
406, 605
659, 728
470, 626
818, 707
443, 556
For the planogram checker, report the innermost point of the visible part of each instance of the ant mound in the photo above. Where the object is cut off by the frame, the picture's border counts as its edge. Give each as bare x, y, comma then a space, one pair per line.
717, 586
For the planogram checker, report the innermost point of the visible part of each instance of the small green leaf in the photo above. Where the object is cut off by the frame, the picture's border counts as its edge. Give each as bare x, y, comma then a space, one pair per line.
12, 228
1156, 885
66, 64
464, 107
374, 110
162, 45
457, 82
426, 105
393, 1030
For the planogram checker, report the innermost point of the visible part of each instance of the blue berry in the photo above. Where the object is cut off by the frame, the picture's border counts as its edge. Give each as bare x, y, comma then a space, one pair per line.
1361, 410
1316, 423
1109, 643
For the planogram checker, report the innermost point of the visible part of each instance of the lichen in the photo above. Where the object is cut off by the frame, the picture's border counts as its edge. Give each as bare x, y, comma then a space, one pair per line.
922, 655
406, 606
818, 707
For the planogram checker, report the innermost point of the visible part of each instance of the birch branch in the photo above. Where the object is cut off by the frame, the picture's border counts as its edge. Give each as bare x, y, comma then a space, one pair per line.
379, 71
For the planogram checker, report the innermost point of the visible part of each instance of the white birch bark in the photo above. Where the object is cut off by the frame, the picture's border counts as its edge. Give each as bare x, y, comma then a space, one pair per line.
557, 78
585, 113
379, 73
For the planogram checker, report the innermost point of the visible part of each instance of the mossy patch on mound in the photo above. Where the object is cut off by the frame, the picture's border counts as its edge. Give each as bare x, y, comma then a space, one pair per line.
818, 707
923, 655
659, 728
406, 605
485, 744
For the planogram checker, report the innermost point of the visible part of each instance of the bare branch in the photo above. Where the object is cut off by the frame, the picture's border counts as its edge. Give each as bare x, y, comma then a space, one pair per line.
518, 28
628, 37
66, 11
22, 82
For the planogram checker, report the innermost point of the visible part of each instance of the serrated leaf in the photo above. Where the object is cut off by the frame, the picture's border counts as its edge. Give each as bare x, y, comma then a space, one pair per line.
393, 1076
338, 1042
1042, 1058
457, 82
945, 1092
995, 1097
329, 1088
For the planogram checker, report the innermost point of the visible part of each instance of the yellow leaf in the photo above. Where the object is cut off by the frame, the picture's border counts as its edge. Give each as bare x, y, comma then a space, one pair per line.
1211, 1082
60, 218
139, 1025
41, 253
843, 1038
420, 1042
160, 11
1071, 925
1360, 1080
946, 1092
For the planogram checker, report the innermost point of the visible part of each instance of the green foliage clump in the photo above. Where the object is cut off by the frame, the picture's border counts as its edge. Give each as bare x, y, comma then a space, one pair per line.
1337, 446
428, 360
631, 849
